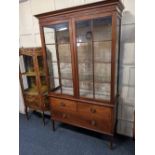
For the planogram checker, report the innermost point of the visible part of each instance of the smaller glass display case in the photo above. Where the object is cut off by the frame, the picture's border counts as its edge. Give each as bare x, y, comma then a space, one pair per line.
33, 79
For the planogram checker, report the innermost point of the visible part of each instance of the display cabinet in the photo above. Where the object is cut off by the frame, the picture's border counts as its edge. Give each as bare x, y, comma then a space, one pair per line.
33, 80
81, 54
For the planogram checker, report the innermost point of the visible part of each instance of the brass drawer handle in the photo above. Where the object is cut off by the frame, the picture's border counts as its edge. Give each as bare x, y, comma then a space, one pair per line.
93, 110
93, 122
62, 104
64, 115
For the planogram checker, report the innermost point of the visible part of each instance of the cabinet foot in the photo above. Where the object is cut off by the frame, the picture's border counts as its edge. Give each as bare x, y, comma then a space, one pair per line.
43, 116
53, 125
111, 143
27, 116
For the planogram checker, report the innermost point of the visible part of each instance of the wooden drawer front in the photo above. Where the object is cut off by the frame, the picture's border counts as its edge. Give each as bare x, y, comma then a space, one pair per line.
99, 125
61, 115
95, 116
94, 111
62, 105
32, 101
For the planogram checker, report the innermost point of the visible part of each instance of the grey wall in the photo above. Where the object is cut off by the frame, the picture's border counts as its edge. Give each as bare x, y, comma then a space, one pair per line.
30, 37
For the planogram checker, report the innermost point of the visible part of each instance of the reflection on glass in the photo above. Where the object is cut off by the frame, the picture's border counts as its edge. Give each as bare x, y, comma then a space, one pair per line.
64, 53
66, 70
86, 89
102, 72
84, 33
85, 58
59, 58
28, 60
29, 83
102, 30
21, 64
117, 53
94, 57
102, 91
102, 51
40, 63
102, 57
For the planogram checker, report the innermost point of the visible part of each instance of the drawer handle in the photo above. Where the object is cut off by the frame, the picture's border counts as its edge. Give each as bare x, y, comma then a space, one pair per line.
93, 122
62, 104
64, 115
93, 110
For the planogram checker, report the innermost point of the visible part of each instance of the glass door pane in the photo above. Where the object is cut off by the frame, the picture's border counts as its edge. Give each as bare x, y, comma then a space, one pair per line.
43, 82
29, 85
26, 64
28, 74
94, 39
40, 64
102, 33
85, 58
58, 51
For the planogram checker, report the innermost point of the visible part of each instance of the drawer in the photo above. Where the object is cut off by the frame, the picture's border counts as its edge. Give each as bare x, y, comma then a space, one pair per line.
32, 101
61, 115
62, 105
94, 111
99, 125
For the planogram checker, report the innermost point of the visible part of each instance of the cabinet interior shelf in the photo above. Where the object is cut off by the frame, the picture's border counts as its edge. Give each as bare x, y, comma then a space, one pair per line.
85, 80
29, 73
58, 44
85, 61
42, 73
84, 42
95, 41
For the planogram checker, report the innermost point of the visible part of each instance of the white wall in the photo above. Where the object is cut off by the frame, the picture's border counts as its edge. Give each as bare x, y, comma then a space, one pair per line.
30, 37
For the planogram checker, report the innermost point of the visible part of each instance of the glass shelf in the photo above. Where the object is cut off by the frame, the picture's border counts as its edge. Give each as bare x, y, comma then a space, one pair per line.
93, 41
29, 73
58, 44
84, 61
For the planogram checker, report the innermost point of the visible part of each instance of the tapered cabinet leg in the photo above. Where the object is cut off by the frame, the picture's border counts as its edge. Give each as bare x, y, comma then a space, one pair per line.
111, 142
27, 116
53, 125
43, 116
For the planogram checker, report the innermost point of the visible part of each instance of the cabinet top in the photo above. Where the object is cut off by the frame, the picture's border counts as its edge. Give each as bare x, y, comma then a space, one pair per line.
97, 5
30, 51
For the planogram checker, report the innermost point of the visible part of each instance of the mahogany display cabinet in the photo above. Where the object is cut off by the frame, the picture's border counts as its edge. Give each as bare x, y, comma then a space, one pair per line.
81, 55
33, 80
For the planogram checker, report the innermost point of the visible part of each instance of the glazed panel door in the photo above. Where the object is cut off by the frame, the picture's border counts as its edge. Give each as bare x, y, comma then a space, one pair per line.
57, 44
93, 46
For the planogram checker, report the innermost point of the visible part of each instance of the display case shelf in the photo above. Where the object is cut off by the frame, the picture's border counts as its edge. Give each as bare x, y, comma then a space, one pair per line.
58, 44
29, 73
93, 41
34, 91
